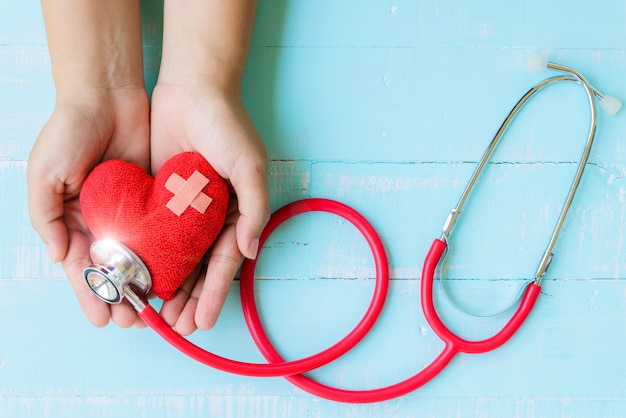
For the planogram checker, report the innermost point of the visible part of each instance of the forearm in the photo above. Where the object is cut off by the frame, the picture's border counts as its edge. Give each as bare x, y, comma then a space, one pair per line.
94, 44
206, 41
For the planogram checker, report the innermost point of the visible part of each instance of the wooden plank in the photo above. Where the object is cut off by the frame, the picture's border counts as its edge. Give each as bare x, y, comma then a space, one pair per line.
378, 99
569, 338
438, 24
408, 204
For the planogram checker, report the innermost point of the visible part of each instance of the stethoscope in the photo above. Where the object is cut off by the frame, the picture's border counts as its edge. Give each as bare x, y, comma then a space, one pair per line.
117, 274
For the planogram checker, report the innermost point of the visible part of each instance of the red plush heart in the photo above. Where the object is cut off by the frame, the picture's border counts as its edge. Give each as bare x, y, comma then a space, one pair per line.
169, 221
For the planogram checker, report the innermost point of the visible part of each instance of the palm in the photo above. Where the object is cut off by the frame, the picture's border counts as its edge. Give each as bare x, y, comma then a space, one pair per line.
192, 118
92, 134
187, 118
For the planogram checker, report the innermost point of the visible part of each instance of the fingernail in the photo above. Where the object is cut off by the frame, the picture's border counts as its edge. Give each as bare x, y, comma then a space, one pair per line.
253, 249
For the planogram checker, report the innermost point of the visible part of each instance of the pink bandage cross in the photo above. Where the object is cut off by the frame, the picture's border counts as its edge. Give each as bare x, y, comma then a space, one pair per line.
187, 193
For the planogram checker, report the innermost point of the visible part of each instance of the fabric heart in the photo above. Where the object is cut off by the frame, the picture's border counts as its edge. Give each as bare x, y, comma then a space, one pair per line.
169, 221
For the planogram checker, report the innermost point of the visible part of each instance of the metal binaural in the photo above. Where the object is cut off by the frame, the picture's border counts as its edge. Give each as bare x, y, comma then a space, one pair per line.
591, 93
572, 76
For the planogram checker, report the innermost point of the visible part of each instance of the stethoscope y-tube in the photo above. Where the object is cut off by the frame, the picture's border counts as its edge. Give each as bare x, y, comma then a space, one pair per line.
119, 274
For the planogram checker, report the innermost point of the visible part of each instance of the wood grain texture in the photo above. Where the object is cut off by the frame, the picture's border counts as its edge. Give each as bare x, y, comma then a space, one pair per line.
387, 109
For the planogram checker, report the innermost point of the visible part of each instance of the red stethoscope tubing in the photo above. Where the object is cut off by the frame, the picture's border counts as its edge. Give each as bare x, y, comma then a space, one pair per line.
453, 343
286, 368
292, 370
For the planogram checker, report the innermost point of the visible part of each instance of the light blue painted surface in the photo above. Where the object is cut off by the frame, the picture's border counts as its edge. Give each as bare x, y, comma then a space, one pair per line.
385, 106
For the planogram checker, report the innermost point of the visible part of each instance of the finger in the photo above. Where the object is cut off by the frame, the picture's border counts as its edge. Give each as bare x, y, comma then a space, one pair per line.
185, 324
139, 324
77, 258
45, 206
249, 180
123, 314
173, 309
224, 261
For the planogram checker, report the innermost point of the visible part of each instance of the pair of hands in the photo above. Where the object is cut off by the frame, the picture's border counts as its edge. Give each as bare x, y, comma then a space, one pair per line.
100, 124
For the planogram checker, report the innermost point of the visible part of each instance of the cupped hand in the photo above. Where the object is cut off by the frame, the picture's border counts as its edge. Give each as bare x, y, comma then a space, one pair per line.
213, 122
84, 129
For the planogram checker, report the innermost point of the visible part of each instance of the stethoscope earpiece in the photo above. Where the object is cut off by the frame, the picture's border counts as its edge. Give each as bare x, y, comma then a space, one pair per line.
116, 268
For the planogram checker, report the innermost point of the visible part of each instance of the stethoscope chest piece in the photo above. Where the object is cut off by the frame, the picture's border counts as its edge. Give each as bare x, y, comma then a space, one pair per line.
115, 268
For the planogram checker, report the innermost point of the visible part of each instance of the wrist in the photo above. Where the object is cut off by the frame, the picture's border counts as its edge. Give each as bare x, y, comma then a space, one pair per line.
94, 95
188, 60
96, 98
203, 71
94, 44
206, 43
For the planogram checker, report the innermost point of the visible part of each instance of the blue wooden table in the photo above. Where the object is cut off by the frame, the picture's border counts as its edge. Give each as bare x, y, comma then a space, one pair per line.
385, 106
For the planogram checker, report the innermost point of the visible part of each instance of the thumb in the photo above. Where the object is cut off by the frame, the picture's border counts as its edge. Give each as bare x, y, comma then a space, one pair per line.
45, 205
249, 180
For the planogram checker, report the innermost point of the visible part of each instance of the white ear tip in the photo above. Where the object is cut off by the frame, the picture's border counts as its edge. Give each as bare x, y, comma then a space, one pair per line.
610, 105
536, 62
